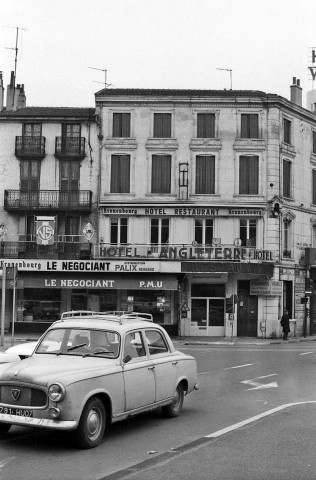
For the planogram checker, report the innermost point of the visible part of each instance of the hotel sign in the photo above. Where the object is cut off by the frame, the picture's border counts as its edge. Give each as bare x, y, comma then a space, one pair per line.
266, 288
187, 211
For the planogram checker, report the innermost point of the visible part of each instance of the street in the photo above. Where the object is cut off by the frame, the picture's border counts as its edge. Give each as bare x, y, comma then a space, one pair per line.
253, 417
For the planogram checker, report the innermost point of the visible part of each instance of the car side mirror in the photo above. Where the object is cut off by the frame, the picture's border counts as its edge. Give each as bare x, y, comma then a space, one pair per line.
127, 358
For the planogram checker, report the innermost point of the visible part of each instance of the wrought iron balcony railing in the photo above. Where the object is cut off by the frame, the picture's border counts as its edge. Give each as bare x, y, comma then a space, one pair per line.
32, 146
70, 147
15, 200
63, 250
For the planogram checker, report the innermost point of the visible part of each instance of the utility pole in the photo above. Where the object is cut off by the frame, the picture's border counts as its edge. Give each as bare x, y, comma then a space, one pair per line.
231, 75
16, 54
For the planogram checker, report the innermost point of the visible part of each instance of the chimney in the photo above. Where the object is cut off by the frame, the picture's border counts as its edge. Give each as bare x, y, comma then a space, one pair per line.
296, 92
15, 95
1, 92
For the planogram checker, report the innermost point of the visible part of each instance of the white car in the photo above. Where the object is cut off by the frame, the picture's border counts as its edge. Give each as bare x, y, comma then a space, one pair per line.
91, 369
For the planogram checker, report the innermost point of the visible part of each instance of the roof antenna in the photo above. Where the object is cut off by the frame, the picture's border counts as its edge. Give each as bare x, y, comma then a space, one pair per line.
16, 54
105, 75
231, 75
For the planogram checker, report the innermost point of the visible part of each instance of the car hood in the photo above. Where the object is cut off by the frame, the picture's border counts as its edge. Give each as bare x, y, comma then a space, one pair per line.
45, 369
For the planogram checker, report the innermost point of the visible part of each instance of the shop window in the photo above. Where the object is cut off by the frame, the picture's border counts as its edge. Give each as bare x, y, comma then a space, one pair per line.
40, 305
287, 167
155, 302
162, 125
121, 125
118, 231
248, 232
207, 290
206, 125
120, 173
204, 230
249, 125
205, 174
248, 175
161, 174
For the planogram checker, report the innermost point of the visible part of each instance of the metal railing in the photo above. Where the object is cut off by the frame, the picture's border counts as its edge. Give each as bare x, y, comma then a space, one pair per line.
63, 250
73, 146
48, 200
30, 146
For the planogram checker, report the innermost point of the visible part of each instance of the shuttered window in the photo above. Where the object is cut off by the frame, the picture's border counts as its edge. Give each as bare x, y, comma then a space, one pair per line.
205, 125
161, 174
205, 174
248, 175
287, 178
314, 187
120, 174
121, 125
249, 125
162, 125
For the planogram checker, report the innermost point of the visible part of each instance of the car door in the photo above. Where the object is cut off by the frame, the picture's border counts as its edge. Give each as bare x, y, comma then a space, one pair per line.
138, 373
165, 364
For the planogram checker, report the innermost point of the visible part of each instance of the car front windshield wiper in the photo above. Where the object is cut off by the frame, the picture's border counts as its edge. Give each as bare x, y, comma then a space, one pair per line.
98, 352
74, 347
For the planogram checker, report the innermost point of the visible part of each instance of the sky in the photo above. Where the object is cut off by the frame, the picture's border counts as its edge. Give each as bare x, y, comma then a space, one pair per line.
155, 44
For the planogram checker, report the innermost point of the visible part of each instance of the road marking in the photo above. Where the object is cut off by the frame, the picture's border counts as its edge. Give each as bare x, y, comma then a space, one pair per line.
306, 353
239, 366
203, 373
260, 386
255, 418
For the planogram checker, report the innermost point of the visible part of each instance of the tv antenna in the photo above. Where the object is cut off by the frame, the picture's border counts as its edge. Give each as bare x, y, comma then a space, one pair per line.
16, 46
105, 76
231, 75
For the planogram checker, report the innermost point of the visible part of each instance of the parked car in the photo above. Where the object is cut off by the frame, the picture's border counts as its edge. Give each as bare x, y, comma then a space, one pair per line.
91, 369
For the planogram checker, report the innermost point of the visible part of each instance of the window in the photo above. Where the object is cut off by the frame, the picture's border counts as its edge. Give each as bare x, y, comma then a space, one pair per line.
314, 236
248, 175
287, 131
314, 187
162, 125
118, 230
314, 143
134, 346
32, 129
205, 125
69, 175
287, 239
121, 125
161, 174
249, 125
71, 130
204, 231
205, 174
30, 175
156, 342
120, 174
159, 231
287, 178
248, 232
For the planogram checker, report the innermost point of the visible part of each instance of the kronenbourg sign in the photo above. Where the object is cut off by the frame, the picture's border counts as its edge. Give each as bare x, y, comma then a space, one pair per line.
45, 230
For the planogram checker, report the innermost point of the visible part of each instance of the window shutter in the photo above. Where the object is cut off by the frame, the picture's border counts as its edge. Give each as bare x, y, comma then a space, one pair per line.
248, 175
161, 174
120, 174
314, 187
287, 179
205, 174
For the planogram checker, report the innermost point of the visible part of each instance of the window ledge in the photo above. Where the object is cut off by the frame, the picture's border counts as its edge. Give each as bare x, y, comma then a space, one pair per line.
248, 197
162, 143
287, 149
249, 144
120, 143
202, 144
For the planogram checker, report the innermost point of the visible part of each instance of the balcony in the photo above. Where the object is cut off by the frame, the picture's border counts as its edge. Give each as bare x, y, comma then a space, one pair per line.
30, 147
48, 200
71, 249
70, 148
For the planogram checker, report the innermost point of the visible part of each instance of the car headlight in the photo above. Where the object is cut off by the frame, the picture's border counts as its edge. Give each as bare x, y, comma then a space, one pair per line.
56, 392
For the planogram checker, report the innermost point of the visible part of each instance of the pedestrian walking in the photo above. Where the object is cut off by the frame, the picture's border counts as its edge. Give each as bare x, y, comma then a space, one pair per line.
285, 324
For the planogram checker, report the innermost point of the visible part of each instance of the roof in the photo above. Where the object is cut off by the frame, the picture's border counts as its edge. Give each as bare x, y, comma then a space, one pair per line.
111, 92
55, 112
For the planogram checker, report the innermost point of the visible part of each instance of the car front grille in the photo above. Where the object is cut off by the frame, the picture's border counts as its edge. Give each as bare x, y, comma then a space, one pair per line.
25, 396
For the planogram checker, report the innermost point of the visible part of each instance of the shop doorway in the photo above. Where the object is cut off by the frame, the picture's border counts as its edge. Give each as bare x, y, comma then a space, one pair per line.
207, 309
247, 311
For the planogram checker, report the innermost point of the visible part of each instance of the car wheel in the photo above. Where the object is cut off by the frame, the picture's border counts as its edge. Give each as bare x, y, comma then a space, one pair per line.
174, 408
4, 428
92, 424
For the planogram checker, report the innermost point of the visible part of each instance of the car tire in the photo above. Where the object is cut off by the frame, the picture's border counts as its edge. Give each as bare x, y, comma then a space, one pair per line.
174, 408
4, 428
92, 424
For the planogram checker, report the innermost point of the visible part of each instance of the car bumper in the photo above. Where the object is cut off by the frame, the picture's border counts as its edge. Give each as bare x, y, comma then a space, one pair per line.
38, 422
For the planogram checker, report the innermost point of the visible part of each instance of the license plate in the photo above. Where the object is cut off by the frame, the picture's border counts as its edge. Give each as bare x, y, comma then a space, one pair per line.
19, 412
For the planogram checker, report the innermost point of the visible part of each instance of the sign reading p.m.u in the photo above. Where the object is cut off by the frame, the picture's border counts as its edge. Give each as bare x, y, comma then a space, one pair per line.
45, 230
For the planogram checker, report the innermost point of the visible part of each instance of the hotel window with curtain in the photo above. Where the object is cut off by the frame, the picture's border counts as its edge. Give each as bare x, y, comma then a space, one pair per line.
249, 125
249, 175
162, 125
314, 187
118, 231
205, 174
287, 178
120, 174
204, 231
161, 174
248, 232
159, 230
121, 125
206, 125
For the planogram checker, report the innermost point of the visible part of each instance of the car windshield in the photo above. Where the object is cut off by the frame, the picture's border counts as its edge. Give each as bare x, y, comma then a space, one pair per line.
81, 342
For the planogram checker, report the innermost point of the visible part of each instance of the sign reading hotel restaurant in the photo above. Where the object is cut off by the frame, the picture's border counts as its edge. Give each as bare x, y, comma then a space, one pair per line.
266, 288
187, 211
